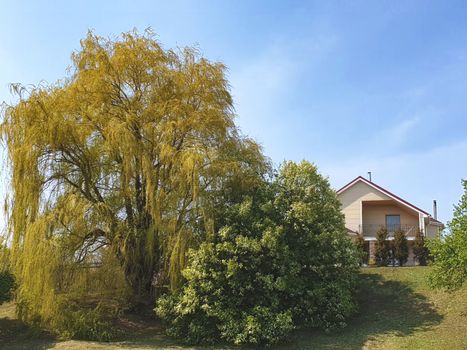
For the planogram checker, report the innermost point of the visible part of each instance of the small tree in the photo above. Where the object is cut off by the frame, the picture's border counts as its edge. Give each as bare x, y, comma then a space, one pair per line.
383, 247
360, 244
450, 251
400, 247
420, 250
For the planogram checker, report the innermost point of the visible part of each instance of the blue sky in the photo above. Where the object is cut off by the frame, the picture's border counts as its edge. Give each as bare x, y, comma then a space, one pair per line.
352, 86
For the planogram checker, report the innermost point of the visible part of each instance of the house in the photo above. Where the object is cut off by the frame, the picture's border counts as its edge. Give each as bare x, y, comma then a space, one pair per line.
367, 207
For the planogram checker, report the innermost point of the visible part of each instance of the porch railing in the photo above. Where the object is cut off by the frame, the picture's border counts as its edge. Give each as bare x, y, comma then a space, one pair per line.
369, 230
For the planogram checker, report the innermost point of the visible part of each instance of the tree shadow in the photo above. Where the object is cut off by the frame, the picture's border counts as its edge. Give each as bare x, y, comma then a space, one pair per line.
163, 342
146, 332
385, 307
14, 334
138, 332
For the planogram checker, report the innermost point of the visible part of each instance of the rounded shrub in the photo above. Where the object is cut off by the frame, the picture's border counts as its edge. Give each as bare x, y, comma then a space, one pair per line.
282, 260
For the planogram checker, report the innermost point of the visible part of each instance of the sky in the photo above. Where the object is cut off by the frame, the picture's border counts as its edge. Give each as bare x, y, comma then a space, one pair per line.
352, 86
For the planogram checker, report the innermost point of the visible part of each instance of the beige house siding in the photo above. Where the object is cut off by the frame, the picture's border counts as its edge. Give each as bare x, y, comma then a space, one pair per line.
432, 231
374, 214
351, 202
365, 206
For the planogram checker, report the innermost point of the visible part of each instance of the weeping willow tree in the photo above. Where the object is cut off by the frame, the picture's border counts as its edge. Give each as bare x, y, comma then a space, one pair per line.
116, 170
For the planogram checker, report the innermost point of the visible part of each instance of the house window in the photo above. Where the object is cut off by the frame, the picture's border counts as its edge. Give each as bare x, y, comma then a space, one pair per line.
393, 222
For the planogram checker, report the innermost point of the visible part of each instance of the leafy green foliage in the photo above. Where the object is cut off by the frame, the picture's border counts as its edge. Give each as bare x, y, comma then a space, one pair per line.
227, 296
360, 244
450, 251
420, 249
400, 247
382, 247
87, 324
281, 260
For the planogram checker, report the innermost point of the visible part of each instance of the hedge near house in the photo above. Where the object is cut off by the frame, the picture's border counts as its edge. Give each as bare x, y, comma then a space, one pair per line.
420, 249
400, 247
282, 261
382, 247
360, 244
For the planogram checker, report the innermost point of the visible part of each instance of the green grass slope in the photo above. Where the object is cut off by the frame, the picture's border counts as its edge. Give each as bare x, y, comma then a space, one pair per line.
398, 310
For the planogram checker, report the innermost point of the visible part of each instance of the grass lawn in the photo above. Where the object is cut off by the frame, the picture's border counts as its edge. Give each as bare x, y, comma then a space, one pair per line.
398, 310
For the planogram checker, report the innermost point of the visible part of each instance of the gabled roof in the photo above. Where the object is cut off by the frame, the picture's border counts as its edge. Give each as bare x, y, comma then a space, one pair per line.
386, 192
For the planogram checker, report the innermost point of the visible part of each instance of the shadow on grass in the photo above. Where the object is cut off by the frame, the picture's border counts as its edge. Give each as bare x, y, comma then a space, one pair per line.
385, 307
14, 334
139, 332
161, 342
148, 333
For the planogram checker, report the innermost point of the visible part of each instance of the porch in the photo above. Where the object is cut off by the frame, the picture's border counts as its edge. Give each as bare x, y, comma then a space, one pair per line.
389, 214
370, 230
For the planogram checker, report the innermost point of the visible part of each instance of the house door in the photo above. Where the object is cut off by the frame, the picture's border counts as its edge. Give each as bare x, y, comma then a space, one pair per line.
393, 222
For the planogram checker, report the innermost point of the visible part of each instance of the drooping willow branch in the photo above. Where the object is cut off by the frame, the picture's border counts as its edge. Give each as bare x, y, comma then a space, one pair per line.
119, 168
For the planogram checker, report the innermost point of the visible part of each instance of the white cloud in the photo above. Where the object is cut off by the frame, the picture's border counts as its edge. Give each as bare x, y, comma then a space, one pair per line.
398, 133
390, 139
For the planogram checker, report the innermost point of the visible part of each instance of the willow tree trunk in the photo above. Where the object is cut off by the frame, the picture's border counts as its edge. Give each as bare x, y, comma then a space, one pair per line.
140, 270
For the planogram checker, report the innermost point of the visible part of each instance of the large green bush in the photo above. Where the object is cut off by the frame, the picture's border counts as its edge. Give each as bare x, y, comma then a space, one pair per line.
282, 260
231, 294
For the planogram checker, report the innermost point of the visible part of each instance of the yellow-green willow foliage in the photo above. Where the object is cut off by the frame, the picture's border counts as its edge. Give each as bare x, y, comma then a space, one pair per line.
114, 171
